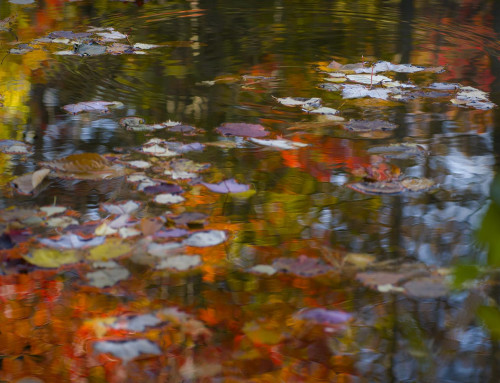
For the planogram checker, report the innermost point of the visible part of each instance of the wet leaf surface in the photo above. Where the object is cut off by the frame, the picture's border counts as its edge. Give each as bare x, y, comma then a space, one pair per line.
90, 106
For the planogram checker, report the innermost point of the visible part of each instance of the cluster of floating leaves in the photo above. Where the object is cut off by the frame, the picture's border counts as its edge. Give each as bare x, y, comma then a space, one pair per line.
93, 42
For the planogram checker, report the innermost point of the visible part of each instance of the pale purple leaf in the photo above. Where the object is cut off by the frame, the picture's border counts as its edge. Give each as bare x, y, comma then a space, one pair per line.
72, 241
324, 316
227, 186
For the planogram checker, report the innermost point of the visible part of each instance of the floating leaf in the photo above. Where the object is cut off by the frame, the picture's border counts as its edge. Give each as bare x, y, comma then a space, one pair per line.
417, 184
187, 218
158, 151
89, 49
167, 198
385, 66
279, 143
15, 147
113, 248
263, 269
138, 164
180, 262
111, 35
21, 49
127, 232
359, 260
91, 106
302, 266
227, 186
127, 350
52, 258
359, 91
377, 188
444, 86
368, 79
131, 121
323, 110
307, 103
145, 46
53, 210
185, 165
242, 129
206, 238
26, 183
72, 241
61, 222
107, 277
126, 207
324, 316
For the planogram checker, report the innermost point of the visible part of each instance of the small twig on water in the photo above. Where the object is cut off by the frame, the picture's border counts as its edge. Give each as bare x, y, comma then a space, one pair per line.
371, 78
4, 57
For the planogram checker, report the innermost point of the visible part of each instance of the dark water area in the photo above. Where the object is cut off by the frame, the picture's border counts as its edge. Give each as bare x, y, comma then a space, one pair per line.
363, 255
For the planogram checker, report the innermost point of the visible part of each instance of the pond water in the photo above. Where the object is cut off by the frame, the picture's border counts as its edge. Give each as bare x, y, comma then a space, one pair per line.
365, 249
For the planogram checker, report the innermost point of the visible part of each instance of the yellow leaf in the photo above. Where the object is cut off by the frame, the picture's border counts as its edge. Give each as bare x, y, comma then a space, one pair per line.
113, 248
52, 258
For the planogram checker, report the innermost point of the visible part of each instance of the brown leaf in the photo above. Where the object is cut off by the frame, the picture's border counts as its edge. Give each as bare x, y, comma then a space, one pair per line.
38, 177
149, 226
26, 183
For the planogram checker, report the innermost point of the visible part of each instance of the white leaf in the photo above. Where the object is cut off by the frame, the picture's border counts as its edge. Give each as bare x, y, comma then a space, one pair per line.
206, 238
359, 91
298, 101
127, 350
145, 46
368, 78
167, 198
121, 208
263, 269
163, 249
53, 210
323, 110
107, 277
280, 144
180, 262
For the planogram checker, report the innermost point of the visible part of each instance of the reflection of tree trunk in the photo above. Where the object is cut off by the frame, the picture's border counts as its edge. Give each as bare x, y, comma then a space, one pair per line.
405, 30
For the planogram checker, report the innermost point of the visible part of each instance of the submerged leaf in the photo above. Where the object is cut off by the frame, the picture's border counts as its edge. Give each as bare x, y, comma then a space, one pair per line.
180, 262
370, 125
302, 266
91, 166
324, 316
242, 129
377, 188
107, 277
